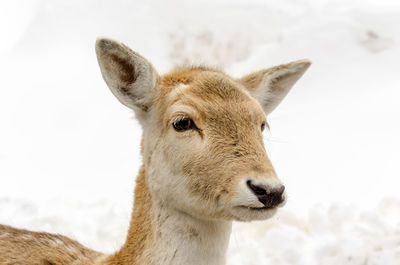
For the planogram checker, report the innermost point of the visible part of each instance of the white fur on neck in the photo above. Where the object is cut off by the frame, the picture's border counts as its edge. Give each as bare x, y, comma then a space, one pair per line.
182, 239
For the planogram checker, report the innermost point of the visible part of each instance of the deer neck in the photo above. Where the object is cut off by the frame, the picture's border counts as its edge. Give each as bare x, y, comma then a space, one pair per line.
159, 234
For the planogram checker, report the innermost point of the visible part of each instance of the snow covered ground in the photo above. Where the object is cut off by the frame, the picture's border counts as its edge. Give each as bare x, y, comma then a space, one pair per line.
69, 150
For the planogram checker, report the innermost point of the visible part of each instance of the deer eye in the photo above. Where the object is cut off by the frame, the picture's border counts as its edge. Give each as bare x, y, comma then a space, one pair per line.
263, 126
183, 124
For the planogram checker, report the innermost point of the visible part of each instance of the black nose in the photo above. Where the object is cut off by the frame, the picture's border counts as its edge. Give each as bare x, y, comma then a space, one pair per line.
268, 196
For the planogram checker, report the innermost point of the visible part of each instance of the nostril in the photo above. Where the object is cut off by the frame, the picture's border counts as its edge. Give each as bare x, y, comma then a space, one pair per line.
270, 197
257, 189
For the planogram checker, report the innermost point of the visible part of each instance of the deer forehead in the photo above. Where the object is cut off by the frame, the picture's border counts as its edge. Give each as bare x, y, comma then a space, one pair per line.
209, 97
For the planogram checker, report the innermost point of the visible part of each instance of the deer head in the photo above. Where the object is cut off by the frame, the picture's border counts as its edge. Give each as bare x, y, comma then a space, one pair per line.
202, 144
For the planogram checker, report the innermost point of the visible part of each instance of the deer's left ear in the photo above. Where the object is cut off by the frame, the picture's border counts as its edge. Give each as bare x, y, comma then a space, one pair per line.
270, 86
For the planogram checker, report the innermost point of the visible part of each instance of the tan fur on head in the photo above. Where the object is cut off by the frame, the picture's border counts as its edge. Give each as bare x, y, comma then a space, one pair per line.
204, 163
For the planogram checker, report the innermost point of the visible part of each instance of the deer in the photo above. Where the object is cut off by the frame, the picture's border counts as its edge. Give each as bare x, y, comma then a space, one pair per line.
204, 166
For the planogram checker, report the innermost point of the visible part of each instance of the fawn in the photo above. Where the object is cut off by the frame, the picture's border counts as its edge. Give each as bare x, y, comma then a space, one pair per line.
204, 164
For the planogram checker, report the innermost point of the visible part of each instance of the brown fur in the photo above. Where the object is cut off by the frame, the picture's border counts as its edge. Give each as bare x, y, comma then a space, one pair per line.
22, 247
140, 232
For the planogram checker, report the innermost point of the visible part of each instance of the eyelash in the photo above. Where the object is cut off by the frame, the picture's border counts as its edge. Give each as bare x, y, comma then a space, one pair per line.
182, 124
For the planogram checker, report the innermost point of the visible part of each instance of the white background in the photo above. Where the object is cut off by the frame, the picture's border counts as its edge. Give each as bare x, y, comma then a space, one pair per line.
69, 151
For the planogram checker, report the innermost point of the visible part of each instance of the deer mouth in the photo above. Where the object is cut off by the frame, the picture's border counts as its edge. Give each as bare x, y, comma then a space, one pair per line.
256, 208
247, 213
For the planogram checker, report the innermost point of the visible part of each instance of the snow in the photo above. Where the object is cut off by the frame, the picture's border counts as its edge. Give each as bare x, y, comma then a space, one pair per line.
69, 150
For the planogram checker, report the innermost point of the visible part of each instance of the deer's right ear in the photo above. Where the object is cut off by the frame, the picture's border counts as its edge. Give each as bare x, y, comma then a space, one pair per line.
130, 77
270, 86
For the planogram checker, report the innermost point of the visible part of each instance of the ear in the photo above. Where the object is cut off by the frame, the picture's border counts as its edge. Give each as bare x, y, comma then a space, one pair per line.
270, 86
130, 77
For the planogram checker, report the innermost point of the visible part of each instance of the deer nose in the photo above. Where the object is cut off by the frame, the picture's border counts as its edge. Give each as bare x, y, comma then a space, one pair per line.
267, 195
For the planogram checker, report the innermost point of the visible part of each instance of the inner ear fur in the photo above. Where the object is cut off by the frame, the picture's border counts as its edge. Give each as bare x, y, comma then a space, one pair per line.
130, 77
271, 85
